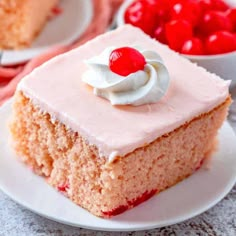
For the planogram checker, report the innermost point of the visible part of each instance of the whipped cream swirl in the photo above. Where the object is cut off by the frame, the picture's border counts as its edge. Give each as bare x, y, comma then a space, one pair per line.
138, 88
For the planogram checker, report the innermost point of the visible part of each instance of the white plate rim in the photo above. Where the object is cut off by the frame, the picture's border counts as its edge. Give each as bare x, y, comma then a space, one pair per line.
183, 218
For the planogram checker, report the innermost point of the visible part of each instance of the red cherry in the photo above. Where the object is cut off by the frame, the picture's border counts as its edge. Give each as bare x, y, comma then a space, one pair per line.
162, 15
141, 14
160, 34
220, 42
177, 32
173, 2
189, 10
124, 61
161, 9
231, 13
206, 5
193, 46
218, 5
214, 21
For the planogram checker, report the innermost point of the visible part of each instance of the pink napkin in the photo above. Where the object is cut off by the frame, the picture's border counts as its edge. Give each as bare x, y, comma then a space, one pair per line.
104, 11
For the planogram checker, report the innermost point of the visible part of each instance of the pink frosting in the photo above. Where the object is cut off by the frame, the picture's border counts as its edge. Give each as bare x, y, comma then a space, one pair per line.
56, 87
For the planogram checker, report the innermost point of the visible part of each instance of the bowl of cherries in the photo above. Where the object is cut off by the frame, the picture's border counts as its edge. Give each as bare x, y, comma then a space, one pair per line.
204, 31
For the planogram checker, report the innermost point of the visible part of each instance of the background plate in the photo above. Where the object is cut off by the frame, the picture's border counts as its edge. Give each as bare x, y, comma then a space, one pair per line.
62, 30
185, 200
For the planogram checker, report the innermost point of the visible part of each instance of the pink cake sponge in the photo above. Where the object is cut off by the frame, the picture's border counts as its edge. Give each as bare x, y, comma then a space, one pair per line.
105, 158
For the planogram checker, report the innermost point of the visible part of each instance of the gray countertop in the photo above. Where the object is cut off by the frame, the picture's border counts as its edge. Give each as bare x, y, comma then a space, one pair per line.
219, 220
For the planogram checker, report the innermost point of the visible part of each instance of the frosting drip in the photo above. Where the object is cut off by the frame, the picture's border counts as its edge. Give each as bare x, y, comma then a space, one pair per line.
141, 87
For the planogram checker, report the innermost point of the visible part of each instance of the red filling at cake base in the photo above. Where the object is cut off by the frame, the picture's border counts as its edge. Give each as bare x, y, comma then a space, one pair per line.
63, 187
145, 196
200, 164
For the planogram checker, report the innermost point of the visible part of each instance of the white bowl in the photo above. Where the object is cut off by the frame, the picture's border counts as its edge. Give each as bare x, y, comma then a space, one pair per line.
223, 65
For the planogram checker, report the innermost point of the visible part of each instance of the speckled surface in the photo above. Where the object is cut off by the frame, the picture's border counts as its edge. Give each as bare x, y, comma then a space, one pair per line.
220, 220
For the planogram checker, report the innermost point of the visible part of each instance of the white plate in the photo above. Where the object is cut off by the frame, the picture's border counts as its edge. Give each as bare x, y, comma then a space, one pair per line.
62, 30
185, 200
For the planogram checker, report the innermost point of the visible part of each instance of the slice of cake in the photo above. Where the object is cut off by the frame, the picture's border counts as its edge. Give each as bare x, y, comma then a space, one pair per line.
22, 20
108, 158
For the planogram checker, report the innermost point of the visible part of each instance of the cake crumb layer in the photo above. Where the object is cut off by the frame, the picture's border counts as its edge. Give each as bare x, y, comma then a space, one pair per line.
72, 166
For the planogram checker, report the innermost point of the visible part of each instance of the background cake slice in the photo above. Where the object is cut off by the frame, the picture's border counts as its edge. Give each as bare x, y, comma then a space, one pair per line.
107, 158
22, 20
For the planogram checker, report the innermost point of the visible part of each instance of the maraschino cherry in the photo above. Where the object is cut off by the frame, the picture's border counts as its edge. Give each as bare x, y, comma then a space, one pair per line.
126, 60
195, 27
220, 42
193, 46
